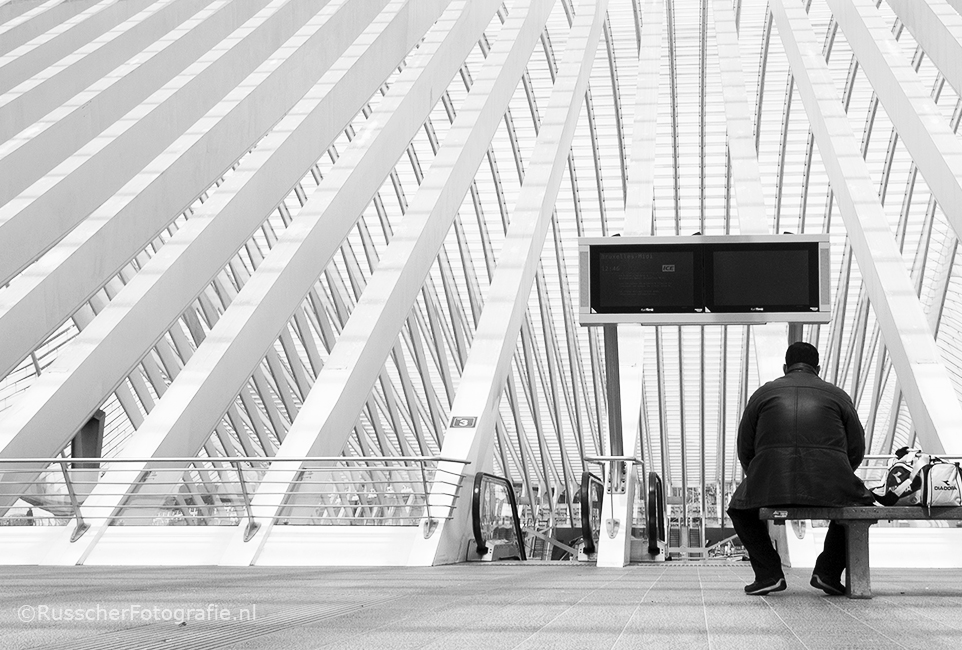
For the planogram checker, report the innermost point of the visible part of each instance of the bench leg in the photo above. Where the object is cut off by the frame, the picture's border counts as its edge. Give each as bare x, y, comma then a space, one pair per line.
857, 576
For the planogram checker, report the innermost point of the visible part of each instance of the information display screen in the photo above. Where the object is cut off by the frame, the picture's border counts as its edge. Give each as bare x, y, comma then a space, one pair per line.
646, 279
704, 279
769, 278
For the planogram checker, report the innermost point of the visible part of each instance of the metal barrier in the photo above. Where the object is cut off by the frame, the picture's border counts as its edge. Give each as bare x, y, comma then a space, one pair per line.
335, 490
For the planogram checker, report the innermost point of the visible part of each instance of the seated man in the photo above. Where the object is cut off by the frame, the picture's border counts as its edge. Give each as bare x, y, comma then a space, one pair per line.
799, 441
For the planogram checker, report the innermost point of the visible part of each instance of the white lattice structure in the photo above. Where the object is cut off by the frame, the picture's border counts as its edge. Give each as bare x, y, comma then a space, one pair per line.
295, 228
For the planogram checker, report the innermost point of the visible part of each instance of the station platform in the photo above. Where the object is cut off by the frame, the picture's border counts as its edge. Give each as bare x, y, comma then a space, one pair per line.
483, 605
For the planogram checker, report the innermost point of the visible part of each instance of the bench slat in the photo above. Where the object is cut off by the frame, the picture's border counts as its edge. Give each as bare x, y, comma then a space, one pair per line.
863, 512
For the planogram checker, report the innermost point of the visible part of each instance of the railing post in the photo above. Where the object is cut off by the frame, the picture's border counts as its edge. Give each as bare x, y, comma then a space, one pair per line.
430, 524
252, 525
82, 526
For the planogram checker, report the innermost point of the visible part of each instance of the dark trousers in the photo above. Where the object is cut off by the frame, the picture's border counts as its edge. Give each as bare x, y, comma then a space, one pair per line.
765, 560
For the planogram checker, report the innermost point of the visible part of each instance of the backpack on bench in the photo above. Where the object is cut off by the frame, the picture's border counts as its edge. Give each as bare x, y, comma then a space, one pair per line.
915, 478
903, 485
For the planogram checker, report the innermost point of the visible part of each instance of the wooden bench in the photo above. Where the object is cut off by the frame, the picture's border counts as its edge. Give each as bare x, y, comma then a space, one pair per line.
857, 520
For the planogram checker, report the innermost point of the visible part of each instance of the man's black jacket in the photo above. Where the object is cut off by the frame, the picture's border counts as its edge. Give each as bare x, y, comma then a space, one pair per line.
799, 441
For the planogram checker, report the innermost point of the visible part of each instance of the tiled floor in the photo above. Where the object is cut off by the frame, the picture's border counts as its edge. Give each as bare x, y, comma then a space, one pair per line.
661, 606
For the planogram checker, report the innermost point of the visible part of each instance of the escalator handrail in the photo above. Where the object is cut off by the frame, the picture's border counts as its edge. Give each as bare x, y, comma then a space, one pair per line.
587, 479
656, 512
479, 478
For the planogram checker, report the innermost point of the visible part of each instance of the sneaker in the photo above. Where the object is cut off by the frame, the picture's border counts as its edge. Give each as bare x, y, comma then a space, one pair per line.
830, 587
762, 587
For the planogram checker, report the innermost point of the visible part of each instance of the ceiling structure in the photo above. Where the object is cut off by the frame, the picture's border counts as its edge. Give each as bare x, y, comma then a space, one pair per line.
260, 228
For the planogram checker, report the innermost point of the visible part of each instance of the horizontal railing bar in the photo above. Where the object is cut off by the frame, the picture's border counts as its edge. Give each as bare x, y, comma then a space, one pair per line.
398, 482
457, 486
416, 518
221, 498
296, 507
242, 459
604, 459
241, 518
352, 522
262, 482
892, 456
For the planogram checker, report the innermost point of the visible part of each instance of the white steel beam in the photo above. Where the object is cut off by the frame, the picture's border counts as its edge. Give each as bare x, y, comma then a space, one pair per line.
920, 124
356, 360
482, 383
639, 204
60, 40
43, 296
753, 216
915, 356
625, 352
47, 210
88, 64
30, 24
937, 28
120, 336
566, 482
42, 125
209, 382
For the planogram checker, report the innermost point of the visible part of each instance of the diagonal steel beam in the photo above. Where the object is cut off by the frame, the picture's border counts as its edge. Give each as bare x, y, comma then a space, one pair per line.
921, 125
156, 297
31, 21
526, 337
117, 159
122, 226
151, 47
937, 27
367, 339
61, 40
928, 389
243, 333
495, 344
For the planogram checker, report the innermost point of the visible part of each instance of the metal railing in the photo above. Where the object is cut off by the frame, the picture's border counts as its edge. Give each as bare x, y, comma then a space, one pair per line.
616, 477
207, 491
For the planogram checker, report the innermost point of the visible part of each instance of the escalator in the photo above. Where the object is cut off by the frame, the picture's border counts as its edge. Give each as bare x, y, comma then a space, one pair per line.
503, 532
494, 515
